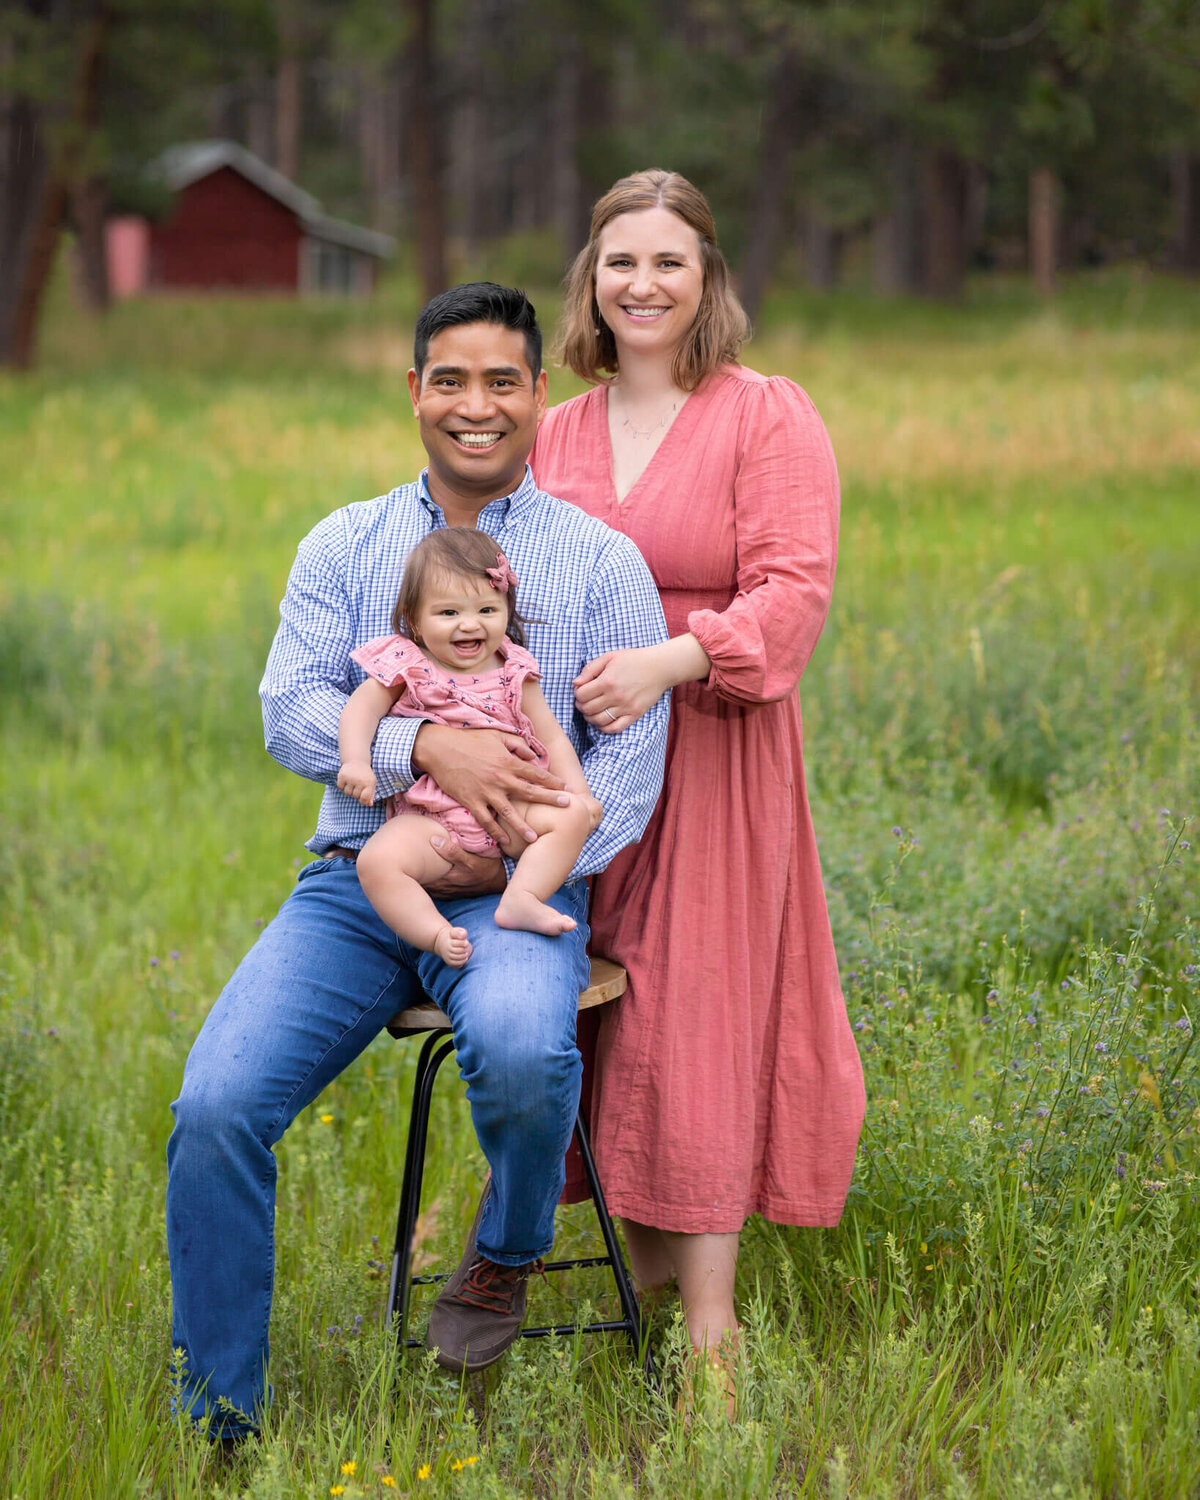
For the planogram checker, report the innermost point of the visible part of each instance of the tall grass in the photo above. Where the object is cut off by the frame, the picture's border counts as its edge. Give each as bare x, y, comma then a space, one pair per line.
1002, 751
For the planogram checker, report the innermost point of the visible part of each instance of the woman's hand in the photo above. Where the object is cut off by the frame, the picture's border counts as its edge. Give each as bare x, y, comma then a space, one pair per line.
616, 689
357, 779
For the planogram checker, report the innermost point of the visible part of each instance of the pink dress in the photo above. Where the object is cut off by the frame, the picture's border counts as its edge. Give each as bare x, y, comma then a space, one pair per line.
489, 700
727, 1081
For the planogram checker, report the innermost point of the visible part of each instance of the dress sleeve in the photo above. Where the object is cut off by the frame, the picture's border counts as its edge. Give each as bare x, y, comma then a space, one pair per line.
786, 503
388, 658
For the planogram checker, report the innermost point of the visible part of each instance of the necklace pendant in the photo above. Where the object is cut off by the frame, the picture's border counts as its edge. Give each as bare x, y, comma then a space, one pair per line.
648, 432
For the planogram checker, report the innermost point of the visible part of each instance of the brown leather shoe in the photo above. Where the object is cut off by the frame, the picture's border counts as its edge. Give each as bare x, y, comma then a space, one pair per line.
478, 1314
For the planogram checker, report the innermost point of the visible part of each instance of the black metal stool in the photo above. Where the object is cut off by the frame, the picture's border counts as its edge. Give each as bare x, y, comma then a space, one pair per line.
606, 982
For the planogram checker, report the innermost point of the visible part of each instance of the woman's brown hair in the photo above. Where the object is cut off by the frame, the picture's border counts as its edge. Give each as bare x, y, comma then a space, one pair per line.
454, 552
586, 344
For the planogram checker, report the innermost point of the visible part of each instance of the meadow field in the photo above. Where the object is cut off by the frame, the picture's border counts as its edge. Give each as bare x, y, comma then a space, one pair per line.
1002, 751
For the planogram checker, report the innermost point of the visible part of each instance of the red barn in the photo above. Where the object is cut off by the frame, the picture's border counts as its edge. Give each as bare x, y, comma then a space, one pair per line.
238, 224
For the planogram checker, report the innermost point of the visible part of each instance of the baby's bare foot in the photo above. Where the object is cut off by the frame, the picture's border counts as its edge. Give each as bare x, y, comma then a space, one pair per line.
523, 911
453, 946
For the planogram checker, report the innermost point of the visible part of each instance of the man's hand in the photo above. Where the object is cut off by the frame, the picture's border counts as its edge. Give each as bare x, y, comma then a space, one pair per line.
469, 874
487, 771
357, 779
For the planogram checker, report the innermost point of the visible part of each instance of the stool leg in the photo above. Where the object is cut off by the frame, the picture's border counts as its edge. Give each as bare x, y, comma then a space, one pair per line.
628, 1297
428, 1063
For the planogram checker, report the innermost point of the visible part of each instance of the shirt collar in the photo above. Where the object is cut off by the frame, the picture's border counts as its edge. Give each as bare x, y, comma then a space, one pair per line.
496, 515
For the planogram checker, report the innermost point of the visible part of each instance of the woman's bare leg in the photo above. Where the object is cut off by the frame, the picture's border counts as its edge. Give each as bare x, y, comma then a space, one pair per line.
543, 867
649, 1258
394, 866
705, 1267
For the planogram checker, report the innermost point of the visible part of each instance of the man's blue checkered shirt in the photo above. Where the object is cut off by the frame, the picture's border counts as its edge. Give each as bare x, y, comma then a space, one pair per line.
588, 586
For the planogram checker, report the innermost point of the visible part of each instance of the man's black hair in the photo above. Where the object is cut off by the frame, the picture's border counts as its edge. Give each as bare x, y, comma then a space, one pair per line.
479, 302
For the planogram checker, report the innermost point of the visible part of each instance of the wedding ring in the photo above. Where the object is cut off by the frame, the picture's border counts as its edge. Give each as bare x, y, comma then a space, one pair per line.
611, 715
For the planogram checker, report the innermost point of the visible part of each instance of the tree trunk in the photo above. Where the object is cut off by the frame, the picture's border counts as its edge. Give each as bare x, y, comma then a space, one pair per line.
88, 211
429, 217
593, 154
567, 201
24, 168
1185, 211
945, 246
1045, 203
895, 237
288, 82
822, 252
258, 116
376, 146
40, 241
779, 123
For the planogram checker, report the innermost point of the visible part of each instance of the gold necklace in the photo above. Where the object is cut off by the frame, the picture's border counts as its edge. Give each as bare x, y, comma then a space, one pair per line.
648, 432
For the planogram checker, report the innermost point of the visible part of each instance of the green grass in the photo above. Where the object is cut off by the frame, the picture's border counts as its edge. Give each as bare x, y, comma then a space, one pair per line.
1002, 748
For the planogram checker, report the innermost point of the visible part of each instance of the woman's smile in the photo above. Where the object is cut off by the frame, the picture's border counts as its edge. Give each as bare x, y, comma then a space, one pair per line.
649, 279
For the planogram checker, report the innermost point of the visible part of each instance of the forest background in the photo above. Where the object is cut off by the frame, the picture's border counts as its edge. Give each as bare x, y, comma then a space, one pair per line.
1000, 722
900, 143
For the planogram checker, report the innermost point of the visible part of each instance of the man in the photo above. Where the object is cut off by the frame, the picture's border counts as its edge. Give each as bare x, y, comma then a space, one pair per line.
327, 975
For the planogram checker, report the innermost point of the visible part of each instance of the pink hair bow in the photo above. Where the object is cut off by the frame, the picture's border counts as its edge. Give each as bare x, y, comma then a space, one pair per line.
502, 576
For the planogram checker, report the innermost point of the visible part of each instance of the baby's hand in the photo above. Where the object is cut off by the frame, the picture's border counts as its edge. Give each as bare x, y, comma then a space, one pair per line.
357, 779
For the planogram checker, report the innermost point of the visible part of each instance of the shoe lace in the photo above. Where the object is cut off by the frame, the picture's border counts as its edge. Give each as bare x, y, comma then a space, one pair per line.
494, 1287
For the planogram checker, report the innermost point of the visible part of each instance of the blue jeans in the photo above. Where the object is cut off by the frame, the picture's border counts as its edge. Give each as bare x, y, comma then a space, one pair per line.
324, 978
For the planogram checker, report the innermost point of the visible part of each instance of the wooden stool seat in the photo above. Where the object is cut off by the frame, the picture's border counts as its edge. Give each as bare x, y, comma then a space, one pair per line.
606, 982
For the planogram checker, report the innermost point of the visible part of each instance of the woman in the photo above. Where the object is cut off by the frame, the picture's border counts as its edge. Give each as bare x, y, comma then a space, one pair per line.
727, 1080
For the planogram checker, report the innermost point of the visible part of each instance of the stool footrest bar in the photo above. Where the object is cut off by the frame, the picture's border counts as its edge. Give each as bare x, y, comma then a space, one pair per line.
562, 1329
428, 1278
559, 1330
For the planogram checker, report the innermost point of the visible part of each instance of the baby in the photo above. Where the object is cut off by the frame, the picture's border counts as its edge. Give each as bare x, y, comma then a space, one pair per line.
461, 660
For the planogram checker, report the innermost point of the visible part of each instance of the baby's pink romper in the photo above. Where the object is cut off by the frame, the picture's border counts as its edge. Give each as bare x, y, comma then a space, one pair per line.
487, 700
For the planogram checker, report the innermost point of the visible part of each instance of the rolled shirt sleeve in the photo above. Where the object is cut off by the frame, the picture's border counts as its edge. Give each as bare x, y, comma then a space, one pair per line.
624, 770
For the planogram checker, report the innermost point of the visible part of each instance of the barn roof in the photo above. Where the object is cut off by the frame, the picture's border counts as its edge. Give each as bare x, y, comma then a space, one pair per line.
180, 166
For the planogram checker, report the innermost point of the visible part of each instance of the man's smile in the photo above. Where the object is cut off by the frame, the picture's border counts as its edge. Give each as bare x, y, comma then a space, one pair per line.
477, 440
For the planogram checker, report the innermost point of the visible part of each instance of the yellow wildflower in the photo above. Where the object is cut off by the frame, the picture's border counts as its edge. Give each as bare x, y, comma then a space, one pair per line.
326, 1119
349, 1467
388, 1482
424, 1471
457, 1465
474, 1458
337, 1489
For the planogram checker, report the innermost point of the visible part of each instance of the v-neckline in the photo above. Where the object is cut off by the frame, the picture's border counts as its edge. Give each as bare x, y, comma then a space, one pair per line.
620, 502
